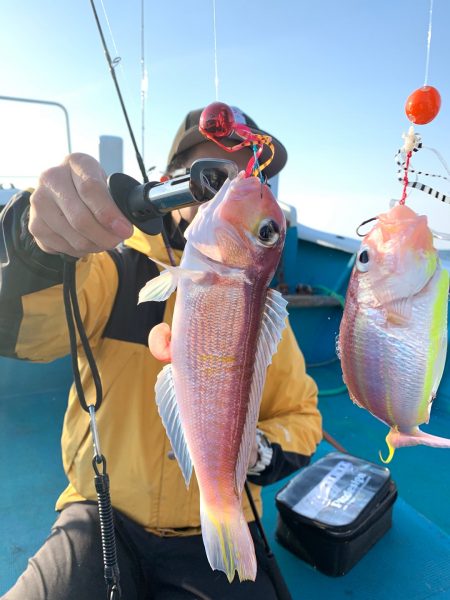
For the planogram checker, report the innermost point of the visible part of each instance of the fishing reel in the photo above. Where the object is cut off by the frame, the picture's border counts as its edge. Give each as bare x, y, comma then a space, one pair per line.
144, 205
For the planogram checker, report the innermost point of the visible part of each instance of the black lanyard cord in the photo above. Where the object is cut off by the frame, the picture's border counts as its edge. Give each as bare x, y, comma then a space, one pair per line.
101, 479
74, 321
108, 534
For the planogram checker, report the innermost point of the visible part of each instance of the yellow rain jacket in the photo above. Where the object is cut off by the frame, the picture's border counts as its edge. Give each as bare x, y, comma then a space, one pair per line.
146, 485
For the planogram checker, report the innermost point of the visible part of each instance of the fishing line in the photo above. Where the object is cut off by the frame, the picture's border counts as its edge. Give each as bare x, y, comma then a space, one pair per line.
119, 93
422, 106
117, 59
144, 81
216, 70
427, 61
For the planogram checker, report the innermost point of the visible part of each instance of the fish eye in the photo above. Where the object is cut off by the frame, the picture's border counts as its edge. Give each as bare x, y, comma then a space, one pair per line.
363, 259
268, 232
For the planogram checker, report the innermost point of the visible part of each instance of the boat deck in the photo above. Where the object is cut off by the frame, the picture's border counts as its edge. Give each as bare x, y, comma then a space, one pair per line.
411, 561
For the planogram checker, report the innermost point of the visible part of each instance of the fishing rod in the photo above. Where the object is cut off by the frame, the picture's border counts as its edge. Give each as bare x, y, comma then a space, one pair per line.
112, 65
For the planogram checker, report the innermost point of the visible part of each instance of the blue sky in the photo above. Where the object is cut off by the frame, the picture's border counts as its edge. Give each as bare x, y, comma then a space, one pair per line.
329, 78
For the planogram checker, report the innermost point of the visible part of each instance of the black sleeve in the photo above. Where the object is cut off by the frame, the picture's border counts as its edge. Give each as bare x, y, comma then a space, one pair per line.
24, 269
283, 464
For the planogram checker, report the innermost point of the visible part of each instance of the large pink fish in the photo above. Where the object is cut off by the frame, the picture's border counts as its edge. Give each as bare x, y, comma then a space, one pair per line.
226, 326
393, 335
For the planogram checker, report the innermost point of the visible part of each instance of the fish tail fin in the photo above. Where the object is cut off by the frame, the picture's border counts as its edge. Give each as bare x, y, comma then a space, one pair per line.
228, 543
398, 439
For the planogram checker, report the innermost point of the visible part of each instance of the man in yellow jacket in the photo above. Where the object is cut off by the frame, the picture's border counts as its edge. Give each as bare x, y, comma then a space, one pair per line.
157, 519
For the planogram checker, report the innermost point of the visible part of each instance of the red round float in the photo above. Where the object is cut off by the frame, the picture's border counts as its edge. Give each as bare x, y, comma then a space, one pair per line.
423, 105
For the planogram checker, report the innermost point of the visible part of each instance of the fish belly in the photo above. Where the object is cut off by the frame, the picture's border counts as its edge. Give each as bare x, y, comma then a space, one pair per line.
385, 366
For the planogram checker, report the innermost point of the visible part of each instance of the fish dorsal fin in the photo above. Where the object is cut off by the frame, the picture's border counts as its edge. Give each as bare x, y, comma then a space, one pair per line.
168, 410
273, 323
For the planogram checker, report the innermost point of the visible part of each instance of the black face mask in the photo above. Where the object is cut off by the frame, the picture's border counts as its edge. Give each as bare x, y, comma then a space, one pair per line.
175, 232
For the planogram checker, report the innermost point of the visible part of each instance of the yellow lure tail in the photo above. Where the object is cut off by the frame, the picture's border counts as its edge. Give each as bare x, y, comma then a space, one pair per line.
391, 448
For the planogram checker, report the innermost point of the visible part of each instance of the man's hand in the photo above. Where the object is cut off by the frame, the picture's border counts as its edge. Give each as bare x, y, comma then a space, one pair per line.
71, 210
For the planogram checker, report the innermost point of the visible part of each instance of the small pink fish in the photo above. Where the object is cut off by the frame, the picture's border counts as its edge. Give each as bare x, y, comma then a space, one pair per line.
393, 335
227, 324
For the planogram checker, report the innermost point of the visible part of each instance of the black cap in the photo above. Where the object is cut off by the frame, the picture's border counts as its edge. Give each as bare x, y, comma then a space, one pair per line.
189, 136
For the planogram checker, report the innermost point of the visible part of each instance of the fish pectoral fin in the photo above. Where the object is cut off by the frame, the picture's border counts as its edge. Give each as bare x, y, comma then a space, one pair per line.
159, 342
168, 410
159, 288
399, 312
273, 323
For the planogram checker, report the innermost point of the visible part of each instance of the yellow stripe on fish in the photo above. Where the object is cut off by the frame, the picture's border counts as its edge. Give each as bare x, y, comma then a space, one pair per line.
216, 358
438, 322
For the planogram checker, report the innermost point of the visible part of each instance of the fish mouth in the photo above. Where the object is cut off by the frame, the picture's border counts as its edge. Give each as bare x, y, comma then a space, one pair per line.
403, 224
